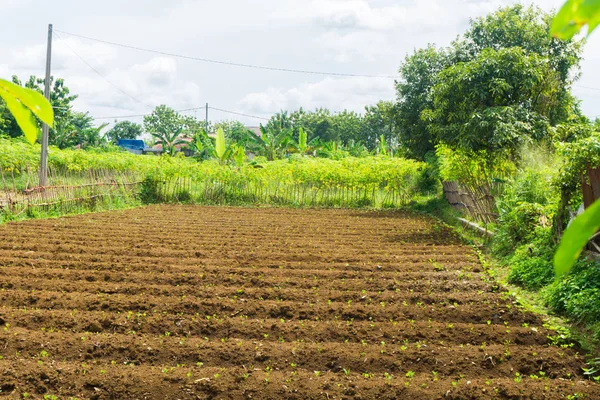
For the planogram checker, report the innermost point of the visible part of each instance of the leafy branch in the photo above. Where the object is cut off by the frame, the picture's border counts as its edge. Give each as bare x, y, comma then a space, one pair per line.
26, 104
574, 15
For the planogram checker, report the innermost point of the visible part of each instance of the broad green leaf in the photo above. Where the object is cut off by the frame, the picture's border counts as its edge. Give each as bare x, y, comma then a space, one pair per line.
220, 147
574, 15
302, 139
24, 118
31, 99
575, 238
24, 104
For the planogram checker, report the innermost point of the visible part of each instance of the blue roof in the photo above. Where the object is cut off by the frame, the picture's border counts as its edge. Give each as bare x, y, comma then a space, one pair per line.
133, 144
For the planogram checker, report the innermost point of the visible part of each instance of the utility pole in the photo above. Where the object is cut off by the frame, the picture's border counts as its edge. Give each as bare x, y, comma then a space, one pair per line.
45, 127
206, 120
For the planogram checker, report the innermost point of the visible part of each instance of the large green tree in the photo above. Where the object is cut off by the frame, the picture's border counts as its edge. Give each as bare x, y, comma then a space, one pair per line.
163, 121
379, 120
168, 127
493, 102
124, 130
515, 27
529, 29
418, 74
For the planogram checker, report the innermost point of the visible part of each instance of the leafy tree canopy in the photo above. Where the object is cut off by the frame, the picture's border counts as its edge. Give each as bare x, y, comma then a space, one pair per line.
440, 89
494, 101
124, 130
419, 73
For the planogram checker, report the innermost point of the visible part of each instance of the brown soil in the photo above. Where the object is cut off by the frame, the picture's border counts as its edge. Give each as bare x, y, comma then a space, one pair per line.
176, 302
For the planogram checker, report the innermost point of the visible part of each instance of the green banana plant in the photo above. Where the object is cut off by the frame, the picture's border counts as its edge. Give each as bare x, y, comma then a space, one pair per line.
304, 146
26, 104
239, 155
222, 151
202, 145
272, 143
383, 147
169, 141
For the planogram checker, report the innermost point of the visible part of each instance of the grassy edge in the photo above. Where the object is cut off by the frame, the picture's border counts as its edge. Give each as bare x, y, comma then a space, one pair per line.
438, 208
106, 205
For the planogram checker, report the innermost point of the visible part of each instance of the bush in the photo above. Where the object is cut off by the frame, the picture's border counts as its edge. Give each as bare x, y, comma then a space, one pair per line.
150, 192
527, 202
517, 226
577, 294
531, 264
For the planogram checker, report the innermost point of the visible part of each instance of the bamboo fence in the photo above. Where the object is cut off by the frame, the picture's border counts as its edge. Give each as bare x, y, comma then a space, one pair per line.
67, 190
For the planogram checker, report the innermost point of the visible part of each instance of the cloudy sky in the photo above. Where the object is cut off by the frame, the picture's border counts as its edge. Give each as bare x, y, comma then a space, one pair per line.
360, 37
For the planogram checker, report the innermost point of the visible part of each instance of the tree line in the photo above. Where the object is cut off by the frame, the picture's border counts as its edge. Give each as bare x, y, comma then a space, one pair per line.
502, 83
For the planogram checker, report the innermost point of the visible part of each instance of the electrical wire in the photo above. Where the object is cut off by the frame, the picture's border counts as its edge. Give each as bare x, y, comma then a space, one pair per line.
237, 113
101, 75
187, 109
586, 87
229, 63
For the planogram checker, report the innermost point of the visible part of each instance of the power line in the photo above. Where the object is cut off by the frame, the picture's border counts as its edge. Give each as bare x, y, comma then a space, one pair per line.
144, 115
233, 64
101, 75
187, 109
586, 87
237, 113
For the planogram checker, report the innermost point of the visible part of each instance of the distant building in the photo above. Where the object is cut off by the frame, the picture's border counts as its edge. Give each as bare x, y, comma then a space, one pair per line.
132, 145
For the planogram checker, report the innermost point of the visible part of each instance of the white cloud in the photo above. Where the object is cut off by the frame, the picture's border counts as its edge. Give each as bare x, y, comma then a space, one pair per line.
352, 36
337, 94
159, 71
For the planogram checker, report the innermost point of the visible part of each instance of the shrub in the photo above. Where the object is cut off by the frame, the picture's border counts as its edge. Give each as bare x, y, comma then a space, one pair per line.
516, 226
577, 294
531, 264
150, 190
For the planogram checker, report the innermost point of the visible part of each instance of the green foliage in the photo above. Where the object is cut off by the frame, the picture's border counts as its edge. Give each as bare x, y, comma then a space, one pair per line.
273, 143
571, 18
474, 169
578, 155
25, 105
575, 238
304, 146
305, 180
235, 132
168, 127
123, 130
572, 132
531, 265
419, 74
578, 294
527, 204
517, 226
150, 190
504, 82
61, 99
222, 151
530, 271
527, 28
378, 120
220, 145
333, 150
574, 15
494, 102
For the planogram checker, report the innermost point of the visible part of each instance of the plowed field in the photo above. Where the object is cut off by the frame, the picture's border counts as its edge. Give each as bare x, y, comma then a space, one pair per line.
183, 302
